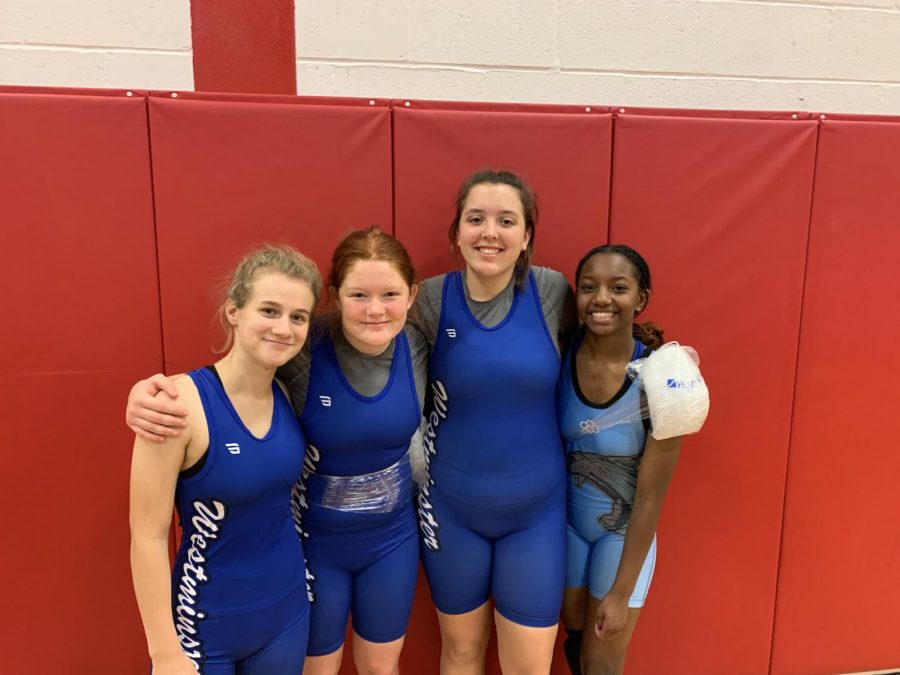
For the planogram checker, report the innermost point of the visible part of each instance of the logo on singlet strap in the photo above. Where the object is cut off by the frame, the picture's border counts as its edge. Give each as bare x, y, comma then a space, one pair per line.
451, 332
326, 401
233, 448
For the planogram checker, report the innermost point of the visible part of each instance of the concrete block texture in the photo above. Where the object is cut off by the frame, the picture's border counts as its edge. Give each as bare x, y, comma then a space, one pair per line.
630, 35
864, 46
762, 39
390, 81
63, 67
160, 24
502, 32
351, 29
692, 92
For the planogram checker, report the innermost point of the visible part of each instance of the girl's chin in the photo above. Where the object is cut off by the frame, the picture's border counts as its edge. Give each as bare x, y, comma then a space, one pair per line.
490, 268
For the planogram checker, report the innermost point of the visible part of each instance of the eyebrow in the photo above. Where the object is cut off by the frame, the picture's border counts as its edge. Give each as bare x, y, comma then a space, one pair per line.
478, 210
394, 287
588, 277
272, 303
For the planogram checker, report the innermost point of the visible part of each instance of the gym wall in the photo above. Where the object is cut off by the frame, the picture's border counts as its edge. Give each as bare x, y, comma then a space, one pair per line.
771, 238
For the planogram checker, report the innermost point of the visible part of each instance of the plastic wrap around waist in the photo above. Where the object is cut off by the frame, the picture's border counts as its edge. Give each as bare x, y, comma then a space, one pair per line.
382, 491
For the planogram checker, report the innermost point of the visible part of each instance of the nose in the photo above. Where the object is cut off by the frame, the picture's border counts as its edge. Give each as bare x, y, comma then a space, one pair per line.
282, 326
601, 296
490, 229
375, 307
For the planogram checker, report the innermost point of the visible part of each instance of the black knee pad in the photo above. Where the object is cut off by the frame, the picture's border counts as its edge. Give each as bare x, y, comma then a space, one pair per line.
572, 649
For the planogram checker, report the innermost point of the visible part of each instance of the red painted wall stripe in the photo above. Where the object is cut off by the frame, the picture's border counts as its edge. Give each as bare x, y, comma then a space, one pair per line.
244, 46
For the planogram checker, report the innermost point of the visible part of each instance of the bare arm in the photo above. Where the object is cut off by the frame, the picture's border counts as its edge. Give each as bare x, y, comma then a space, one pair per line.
657, 468
154, 473
151, 412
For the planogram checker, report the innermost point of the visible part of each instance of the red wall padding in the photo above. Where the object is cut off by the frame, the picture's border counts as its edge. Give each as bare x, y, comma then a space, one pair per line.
720, 204
229, 175
233, 172
839, 579
720, 209
563, 152
81, 322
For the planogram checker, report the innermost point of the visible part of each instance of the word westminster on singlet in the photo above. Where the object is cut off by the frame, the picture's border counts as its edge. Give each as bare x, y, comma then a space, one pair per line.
206, 523
440, 410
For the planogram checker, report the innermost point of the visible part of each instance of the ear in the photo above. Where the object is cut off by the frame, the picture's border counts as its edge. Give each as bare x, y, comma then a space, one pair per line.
231, 311
643, 299
413, 291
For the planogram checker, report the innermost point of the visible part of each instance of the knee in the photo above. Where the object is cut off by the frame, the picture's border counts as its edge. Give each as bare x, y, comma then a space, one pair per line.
463, 650
385, 666
609, 665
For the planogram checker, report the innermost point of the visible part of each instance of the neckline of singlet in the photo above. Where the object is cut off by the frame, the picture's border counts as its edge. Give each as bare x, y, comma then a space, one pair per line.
464, 297
391, 373
636, 352
234, 413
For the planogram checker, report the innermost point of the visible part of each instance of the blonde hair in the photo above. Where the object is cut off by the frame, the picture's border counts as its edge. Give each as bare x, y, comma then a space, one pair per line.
279, 258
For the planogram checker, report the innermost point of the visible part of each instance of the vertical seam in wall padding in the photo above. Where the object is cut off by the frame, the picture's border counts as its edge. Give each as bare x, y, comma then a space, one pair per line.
787, 466
393, 174
162, 342
612, 155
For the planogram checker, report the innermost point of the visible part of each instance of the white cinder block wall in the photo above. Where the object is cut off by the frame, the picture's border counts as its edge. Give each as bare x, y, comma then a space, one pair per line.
140, 44
819, 55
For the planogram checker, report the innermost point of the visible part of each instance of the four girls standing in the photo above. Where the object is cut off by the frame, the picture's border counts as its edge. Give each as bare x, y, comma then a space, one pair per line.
492, 512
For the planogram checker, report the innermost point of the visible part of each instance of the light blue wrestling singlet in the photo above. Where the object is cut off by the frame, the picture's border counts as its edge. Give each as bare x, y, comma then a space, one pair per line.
602, 469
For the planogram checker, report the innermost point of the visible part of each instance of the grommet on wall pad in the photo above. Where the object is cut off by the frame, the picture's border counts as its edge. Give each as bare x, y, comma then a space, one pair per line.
794, 116
587, 109
174, 94
371, 101
621, 110
129, 93
822, 116
406, 103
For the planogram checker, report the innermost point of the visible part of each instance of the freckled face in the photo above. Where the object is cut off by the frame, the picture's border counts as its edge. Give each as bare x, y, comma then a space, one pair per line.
272, 326
492, 230
374, 300
608, 294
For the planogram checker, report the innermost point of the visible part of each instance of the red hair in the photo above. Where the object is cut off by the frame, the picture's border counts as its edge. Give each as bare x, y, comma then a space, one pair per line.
369, 244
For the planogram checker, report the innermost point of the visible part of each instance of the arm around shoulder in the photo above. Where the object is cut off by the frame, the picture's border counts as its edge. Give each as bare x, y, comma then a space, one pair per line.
151, 411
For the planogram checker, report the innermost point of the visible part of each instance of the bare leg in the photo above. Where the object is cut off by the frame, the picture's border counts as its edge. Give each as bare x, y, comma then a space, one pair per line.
464, 640
524, 650
327, 664
376, 658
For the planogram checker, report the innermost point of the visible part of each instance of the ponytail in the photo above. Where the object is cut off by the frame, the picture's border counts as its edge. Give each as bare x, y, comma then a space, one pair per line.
648, 333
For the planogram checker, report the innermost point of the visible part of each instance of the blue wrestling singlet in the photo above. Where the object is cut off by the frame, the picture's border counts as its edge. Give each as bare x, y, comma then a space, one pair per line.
238, 592
602, 469
362, 559
492, 515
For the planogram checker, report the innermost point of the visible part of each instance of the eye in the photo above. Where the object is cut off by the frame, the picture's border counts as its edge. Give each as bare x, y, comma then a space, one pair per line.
299, 319
475, 220
619, 288
356, 295
392, 294
508, 222
269, 311
586, 288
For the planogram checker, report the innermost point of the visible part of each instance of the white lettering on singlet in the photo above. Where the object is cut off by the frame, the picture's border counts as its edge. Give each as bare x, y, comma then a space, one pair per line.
299, 506
440, 409
206, 521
